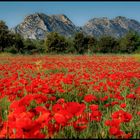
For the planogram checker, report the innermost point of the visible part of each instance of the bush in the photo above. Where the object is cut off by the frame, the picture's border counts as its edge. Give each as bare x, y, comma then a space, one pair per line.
80, 43
55, 43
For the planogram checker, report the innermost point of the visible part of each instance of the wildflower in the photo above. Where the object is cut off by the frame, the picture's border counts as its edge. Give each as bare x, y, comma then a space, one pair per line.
94, 107
123, 105
90, 97
131, 96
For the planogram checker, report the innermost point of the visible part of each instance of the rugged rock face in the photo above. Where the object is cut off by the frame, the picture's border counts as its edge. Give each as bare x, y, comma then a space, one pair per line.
116, 27
36, 26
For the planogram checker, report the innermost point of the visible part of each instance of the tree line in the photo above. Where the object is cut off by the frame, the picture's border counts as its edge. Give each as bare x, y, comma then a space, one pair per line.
79, 43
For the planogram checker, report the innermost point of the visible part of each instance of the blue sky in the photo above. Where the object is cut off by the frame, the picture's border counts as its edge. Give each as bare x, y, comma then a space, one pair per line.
14, 13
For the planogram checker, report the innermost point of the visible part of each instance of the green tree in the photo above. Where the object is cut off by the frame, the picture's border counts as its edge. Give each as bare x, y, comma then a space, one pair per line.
39, 46
5, 36
107, 44
129, 43
18, 42
29, 46
80, 43
70, 48
92, 41
55, 43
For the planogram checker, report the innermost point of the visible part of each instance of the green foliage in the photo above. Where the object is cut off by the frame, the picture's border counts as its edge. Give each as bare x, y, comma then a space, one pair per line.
107, 44
5, 36
130, 42
80, 43
11, 49
92, 44
55, 43
70, 48
39, 45
18, 42
28, 45
76, 44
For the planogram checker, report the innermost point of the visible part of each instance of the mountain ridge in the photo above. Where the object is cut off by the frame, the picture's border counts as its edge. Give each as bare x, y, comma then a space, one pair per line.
37, 25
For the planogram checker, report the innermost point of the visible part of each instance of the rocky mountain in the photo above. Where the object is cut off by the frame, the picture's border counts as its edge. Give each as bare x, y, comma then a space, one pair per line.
36, 26
116, 27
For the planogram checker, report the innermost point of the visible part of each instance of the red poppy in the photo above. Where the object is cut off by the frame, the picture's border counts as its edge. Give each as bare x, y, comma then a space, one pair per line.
107, 105
104, 98
115, 131
61, 101
122, 115
62, 117
40, 109
52, 98
90, 97
45, 117
113, 123
123, 105
57, 107
95, 116
127, 136
114, 103
131, 96
75, 108
138, 91
47, 105
94, 107
138, 113
127, 117
35, 132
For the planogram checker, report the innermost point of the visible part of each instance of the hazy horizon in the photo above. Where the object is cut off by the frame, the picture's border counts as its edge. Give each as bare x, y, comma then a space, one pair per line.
78, 12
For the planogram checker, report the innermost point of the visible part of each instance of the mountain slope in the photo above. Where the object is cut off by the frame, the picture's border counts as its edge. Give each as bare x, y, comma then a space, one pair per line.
116, 27
36, 26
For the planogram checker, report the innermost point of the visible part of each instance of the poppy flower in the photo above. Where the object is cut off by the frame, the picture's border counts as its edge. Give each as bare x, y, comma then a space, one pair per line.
57, 107
39, 109
61, 101
137, 91
62, 117
44, 117
90, 97
127, 117
131, 96
113, 123
138, 113
75, 108
104, 98
107, 105
122, 115
52, 98
95, 116
123, 105
94, 107
127, 136
114, 103
115, 131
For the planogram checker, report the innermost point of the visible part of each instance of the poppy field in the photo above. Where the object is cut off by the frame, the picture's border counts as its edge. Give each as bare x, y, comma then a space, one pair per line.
58, 96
